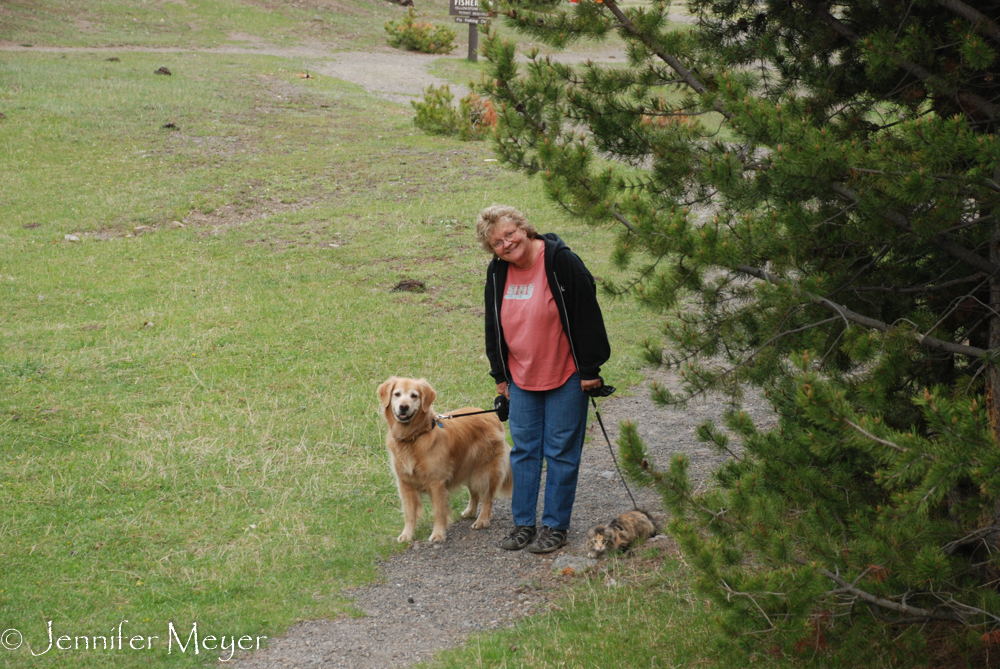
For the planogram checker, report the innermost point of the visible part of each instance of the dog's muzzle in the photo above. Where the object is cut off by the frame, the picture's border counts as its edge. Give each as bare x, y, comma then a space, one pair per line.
404, 417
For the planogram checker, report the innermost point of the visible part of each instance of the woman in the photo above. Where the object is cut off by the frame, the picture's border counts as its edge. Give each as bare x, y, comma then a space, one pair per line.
546, 342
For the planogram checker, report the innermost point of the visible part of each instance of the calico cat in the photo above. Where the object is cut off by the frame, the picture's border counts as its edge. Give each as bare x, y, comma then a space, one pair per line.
619, 533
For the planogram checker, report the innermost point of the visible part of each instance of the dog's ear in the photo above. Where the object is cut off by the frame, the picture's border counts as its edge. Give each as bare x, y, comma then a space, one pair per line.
427, 395
385, 390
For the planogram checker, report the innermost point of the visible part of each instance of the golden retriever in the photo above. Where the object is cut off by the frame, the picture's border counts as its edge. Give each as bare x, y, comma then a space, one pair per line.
435, 456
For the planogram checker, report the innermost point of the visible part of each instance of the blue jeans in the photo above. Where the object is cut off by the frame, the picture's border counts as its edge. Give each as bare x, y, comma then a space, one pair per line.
549, 424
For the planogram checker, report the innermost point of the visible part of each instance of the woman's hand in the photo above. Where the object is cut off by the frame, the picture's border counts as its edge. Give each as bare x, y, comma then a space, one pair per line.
590, 384
502, 389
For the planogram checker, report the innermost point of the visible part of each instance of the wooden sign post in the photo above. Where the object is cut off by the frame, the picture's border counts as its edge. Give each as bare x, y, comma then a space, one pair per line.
469, 11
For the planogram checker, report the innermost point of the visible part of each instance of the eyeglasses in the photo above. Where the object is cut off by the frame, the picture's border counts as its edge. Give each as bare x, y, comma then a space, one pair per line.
506, 239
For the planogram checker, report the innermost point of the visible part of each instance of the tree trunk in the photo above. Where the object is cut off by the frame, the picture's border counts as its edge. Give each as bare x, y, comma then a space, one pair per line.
993, 374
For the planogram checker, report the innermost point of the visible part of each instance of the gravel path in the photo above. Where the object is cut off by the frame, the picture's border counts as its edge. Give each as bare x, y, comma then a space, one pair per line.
433, 596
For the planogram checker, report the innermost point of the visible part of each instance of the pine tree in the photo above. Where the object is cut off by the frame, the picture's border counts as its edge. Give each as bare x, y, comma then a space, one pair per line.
805, 191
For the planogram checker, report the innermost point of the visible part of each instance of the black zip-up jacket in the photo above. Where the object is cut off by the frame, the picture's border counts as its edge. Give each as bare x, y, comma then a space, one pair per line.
575, 295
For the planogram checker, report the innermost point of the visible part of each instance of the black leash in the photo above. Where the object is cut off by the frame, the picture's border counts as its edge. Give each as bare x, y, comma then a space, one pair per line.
501, 407
604, 391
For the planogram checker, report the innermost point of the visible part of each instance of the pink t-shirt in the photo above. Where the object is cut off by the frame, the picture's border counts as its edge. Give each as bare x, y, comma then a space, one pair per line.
540, 356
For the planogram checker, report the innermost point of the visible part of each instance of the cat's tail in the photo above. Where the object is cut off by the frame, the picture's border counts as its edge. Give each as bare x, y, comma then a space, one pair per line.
659, 519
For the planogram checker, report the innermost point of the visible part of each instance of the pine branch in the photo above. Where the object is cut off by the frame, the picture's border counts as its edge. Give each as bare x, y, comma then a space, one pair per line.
967, 256
900, 221
671, 60
970, 224
733, 593
920, 72
854, 317
978, 276
875, 259
989, 183
621, 219
975, 611
871, 436
979, 535
973, 16
912, 611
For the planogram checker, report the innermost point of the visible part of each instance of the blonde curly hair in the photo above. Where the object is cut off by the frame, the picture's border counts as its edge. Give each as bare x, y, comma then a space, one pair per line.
493, 216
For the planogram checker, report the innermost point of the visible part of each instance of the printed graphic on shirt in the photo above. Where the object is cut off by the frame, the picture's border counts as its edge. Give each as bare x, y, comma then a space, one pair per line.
519, 292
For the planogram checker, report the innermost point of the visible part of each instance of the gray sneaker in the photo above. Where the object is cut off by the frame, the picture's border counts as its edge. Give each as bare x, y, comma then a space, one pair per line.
518, 538
548, 540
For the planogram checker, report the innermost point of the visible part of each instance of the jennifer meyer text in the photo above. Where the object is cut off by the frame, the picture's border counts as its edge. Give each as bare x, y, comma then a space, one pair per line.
121, 639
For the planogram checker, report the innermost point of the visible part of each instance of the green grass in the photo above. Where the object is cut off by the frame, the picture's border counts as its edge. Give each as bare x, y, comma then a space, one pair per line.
635, 613
336, 25
188, 426
197, 23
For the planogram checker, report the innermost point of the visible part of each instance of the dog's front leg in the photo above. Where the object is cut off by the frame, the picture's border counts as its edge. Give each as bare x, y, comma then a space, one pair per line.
411, 511
442, 512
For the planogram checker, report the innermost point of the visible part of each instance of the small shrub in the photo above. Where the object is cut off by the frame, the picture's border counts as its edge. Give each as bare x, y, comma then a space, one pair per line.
476, 117
415, 35
436, 115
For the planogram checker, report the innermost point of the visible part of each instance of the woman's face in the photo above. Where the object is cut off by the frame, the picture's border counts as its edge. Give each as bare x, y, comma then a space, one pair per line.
510, 243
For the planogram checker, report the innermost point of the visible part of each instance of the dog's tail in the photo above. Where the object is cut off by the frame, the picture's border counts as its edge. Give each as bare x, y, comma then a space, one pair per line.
507, 485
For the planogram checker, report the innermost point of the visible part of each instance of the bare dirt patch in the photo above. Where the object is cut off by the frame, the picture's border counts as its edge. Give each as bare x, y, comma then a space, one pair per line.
229, 216
223, 219
315, 233
209, 145
249, 41
334, 5
84, 25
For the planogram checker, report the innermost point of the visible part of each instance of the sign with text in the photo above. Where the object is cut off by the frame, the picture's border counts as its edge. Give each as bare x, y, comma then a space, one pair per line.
465, 10
471, 12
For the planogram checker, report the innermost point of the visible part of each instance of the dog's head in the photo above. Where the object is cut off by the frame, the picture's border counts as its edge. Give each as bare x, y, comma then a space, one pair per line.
405, 399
